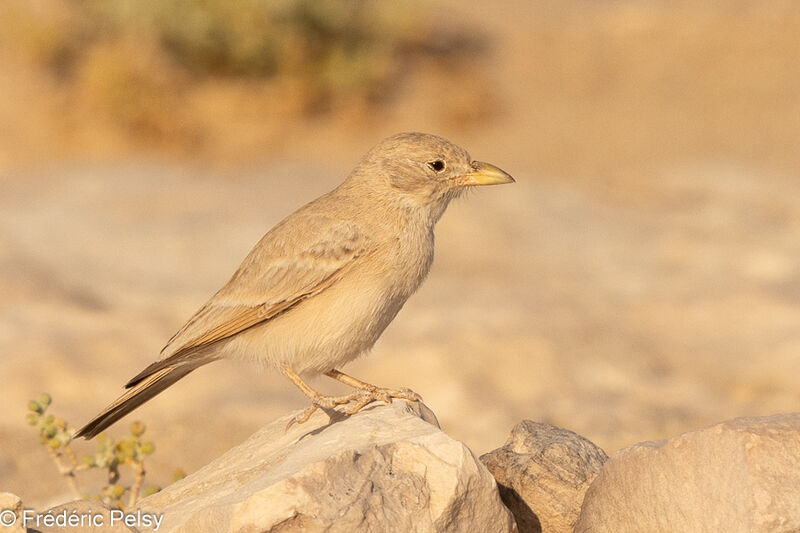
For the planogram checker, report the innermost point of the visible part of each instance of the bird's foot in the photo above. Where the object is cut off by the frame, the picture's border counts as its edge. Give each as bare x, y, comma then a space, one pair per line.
324, 403
354, 401
368, 395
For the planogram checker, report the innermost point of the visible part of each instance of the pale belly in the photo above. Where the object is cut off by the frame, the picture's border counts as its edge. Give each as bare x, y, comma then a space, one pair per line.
323, 332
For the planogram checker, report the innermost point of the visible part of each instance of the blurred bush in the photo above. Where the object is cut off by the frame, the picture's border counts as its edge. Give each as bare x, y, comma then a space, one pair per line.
136, 62
337, 46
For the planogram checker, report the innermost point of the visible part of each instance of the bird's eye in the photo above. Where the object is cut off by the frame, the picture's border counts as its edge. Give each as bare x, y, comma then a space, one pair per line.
437, 165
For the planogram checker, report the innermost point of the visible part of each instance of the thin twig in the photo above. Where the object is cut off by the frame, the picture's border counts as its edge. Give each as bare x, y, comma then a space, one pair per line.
66, 471
71, 456
137, 483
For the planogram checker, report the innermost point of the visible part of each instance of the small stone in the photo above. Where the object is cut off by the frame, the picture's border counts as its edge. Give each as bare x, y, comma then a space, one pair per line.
11, 513
543, 472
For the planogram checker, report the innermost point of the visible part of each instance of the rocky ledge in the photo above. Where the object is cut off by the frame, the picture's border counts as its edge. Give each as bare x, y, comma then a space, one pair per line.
390, 468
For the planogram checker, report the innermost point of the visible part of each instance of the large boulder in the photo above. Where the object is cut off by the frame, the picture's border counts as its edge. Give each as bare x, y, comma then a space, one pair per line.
738, 476
388, 468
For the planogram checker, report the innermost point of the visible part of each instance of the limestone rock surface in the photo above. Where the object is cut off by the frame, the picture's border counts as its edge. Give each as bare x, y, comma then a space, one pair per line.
543, 472
89, 517
388, 468
80, 516
742, 475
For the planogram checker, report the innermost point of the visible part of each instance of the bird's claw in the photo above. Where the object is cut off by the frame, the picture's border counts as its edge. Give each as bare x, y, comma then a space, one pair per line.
302, 417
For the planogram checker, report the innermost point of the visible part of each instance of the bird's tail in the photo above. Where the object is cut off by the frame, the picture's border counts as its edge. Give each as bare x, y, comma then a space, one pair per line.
139, 392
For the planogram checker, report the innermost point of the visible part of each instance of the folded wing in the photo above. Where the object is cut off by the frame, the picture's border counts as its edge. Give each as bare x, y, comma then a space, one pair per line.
276, 276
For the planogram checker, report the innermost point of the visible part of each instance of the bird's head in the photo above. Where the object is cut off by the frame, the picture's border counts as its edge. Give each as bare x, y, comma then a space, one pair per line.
424, 171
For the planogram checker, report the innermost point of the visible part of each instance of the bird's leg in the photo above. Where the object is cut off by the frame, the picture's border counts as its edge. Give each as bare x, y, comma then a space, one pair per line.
369, 393
317, 399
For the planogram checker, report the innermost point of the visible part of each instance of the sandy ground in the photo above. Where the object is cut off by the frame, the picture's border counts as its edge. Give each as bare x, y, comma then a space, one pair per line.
638, 281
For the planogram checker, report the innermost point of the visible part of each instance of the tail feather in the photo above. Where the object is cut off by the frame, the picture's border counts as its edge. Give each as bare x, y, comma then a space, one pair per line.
144, 389
149, 371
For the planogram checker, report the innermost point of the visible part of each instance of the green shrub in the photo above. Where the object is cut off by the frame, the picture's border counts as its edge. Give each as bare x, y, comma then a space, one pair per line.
131, 450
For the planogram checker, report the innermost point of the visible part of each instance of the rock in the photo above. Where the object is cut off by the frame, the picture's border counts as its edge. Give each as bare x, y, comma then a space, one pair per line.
738, 476
75, 517
388, 468
11, 510
83, 516
543, 472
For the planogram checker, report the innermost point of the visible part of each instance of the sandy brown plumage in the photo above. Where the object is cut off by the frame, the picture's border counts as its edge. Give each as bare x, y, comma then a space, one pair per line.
321, 286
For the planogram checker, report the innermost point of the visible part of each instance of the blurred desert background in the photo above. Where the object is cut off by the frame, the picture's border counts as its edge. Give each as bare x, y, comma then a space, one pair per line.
639, 280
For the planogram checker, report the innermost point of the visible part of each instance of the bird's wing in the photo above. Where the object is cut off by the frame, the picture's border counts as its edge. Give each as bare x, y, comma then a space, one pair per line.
281, 271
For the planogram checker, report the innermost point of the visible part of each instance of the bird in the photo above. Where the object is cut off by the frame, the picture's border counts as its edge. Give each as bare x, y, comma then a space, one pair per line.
322, 285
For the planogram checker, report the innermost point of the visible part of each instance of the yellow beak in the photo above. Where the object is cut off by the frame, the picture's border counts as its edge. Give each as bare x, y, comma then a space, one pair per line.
486, 174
